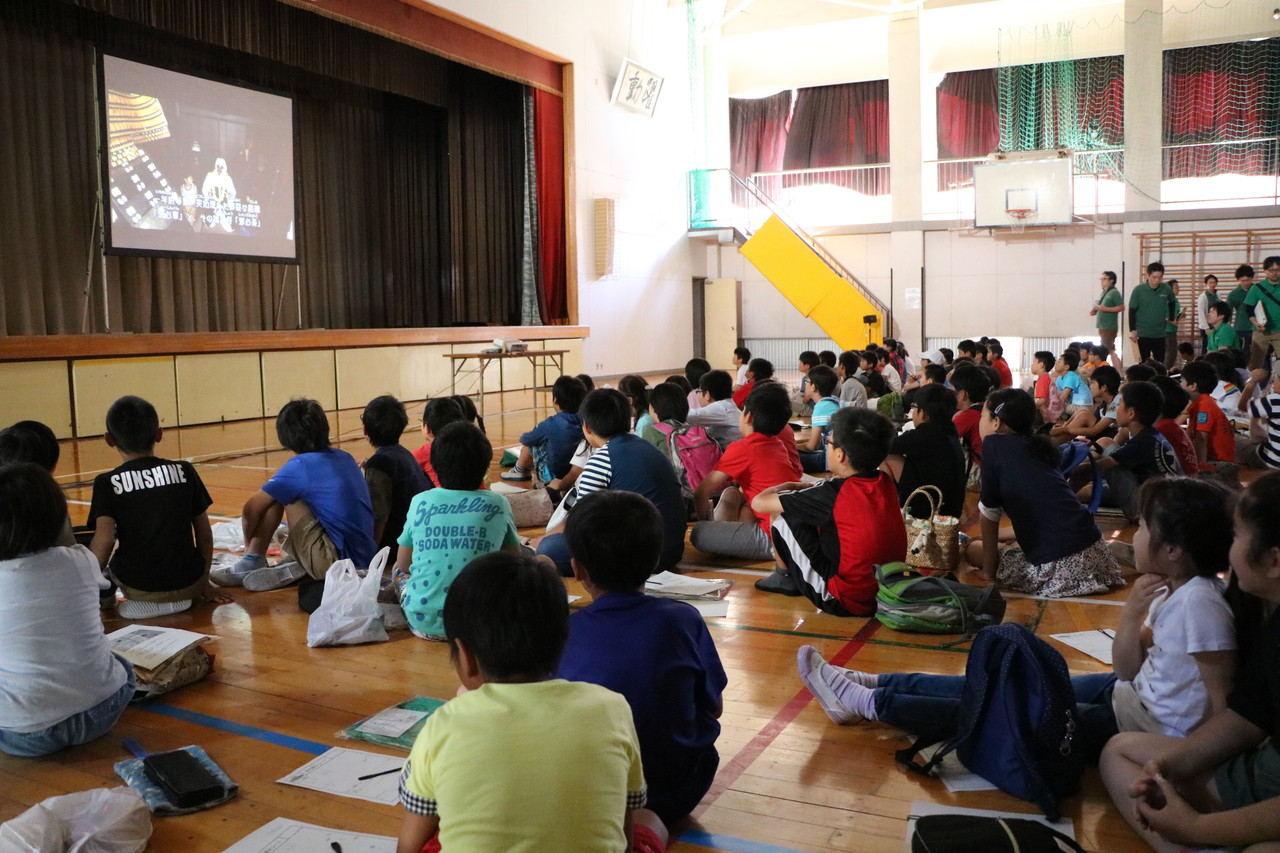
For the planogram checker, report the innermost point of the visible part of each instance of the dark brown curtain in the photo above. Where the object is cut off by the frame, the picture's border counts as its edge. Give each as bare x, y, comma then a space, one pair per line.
486, 127
377, 210
968, 122
758, 133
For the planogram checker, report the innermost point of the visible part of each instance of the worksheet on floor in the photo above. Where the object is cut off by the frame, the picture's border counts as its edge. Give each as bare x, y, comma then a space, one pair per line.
351, 773
290, 836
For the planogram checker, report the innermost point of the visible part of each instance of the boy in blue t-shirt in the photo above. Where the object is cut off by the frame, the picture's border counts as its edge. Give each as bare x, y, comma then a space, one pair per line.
323, 493
656, 652
1071, 385
449, 526
547, 449
821, 394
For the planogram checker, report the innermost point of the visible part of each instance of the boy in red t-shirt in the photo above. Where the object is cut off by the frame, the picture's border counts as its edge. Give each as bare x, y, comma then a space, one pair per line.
971, 386
758, 370
437, 415
830, 537
1211, 432
760, 459
1175, 402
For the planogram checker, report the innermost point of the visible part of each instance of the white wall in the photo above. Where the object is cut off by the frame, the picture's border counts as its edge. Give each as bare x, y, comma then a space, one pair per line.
640, 316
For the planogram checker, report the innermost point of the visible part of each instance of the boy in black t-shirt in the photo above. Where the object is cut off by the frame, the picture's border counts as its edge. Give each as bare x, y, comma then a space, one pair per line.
1144, 454
156, 510
393, 475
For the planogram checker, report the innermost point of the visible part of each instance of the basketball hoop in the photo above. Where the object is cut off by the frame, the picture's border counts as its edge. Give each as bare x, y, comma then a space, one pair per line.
1018, 218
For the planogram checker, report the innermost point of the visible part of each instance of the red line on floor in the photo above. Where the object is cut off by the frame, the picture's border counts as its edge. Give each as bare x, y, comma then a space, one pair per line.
730, 772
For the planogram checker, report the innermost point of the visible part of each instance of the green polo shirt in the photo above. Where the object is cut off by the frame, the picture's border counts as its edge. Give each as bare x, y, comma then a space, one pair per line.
1108, 320
1269, 295
1149, 310
1223, 336
1239, 319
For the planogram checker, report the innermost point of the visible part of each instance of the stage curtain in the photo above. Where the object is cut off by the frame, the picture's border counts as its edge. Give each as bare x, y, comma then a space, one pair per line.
380, 218
968, 122
486, 181
758, 133
548, 141
1222, 93
843, 125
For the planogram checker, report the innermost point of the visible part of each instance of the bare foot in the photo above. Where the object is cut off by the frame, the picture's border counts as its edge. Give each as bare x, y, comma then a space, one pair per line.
213, 595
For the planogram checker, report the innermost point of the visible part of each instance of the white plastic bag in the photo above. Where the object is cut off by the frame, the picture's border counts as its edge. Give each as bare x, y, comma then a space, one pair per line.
104, 820
348, 613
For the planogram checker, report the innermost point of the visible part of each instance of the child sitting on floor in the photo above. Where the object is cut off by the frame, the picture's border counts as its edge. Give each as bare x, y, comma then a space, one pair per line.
546, 450
820, 396
494, 768
718, 414
1262, 448
666, 665
1174, 651
1211, 432
436, 415
830, 536
322, 492
156, 510
60, 685
1175, 402
32, 441
449, 526
1139, 453
763, 458
758, 370
392, 473
626, 462
1058, 550
1218, 788
1098, 423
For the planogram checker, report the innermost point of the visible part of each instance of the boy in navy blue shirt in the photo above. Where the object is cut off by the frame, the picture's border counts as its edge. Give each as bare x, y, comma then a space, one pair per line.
1146, 453
656, 652
547, 449
392, 473
625, 462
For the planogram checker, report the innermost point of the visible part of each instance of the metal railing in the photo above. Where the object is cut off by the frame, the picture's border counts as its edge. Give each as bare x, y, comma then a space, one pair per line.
828, 196
720, 199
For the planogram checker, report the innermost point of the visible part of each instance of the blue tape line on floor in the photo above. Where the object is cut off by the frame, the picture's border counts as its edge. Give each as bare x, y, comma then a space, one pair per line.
730, 844
235, 728
693, 836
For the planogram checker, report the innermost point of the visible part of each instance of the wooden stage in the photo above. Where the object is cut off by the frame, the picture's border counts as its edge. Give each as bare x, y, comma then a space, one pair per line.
789, 779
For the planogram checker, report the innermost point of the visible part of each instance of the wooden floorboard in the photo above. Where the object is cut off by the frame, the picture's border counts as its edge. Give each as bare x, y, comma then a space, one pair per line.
794, 780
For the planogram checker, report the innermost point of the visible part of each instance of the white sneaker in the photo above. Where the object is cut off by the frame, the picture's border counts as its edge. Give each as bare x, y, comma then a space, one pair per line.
273, 577
235, 574
810, 663
129, 609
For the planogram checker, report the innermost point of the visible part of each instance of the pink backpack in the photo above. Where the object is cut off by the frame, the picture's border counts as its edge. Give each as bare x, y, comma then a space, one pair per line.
692, 452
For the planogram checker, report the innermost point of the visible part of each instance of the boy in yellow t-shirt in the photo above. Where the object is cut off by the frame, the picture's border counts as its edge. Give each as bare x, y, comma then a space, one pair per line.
520, 761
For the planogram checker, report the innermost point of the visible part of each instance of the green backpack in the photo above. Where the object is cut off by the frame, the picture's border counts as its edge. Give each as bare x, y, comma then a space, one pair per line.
934, 604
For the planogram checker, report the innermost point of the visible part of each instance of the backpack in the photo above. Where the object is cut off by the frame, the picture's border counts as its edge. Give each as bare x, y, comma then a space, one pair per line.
1054, 407
1073, 455
1017, 720
962, 833
934, 604
692, 452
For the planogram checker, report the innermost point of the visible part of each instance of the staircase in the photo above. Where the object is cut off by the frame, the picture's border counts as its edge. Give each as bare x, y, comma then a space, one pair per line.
811, 279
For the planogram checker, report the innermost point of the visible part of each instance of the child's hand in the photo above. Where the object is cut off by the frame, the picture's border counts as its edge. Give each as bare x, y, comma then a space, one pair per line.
1146, 588
213, 595
1163, 810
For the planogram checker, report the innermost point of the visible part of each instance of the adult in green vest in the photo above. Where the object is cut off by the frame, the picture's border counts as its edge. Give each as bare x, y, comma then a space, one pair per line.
1151, 307
1108, 309
1208, 296
1263, 307
1240, 319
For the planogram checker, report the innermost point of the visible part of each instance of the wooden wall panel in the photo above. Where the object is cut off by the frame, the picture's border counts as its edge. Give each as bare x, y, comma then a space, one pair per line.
38, 391
424, 372
97, 383
220, 387
367, 373
308, 373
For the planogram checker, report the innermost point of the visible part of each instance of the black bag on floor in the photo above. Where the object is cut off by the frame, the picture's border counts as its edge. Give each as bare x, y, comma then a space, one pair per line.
954, 833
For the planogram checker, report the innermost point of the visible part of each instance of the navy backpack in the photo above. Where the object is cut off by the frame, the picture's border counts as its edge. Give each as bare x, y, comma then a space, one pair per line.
1017, 720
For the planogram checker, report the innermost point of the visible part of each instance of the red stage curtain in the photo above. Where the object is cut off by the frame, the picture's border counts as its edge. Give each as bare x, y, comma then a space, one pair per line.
758, 133
548, 147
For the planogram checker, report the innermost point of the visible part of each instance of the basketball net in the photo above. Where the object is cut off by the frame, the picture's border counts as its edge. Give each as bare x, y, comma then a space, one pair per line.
1018, 218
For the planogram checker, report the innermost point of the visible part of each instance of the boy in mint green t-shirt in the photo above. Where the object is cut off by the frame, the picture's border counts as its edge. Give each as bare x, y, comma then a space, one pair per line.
449, 526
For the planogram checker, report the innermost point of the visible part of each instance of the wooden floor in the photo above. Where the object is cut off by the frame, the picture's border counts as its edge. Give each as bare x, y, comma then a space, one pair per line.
789, 779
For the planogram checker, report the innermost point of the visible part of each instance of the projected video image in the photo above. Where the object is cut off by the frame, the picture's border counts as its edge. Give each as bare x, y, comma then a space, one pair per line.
195, 166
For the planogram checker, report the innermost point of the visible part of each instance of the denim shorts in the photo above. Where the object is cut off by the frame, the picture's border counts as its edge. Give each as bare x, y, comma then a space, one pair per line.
74, 730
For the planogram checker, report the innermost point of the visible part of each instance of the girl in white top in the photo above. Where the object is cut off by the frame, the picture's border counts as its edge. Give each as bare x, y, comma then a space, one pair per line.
1173, 653
60, 685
